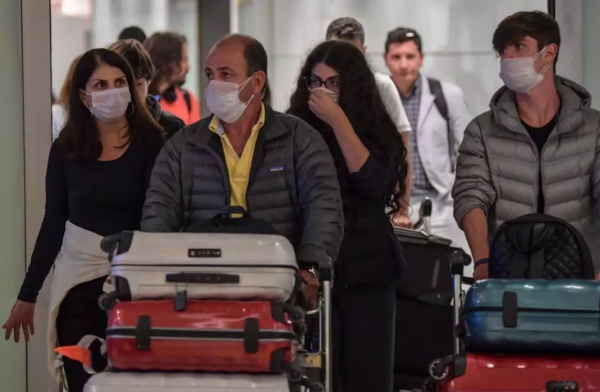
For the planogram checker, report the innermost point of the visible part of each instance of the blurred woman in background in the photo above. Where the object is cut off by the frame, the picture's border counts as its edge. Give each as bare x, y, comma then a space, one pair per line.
60, 107
137, 56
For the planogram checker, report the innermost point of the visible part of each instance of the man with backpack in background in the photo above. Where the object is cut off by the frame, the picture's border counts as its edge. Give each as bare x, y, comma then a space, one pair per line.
537, 149
438, 117
169, 54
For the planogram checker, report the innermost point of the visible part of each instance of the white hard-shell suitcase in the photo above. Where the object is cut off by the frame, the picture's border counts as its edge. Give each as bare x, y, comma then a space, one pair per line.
185, 382
203, 266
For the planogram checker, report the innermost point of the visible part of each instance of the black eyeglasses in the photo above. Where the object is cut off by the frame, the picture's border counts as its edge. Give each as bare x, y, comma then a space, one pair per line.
333, 83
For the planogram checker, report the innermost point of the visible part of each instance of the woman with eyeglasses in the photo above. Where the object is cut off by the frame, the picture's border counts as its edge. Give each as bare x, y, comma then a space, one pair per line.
336, 93
96, 180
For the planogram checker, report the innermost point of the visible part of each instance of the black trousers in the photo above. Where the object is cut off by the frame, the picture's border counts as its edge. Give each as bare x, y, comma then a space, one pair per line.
363, 338
80, 315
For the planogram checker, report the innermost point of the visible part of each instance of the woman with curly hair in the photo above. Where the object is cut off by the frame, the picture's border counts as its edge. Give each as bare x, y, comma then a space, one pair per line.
336, 93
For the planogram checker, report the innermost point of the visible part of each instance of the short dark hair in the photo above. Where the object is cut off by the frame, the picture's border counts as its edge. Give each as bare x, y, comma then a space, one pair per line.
166, 52
347, 29
256, 60
401, 35
132, 32
137, 56
536, 24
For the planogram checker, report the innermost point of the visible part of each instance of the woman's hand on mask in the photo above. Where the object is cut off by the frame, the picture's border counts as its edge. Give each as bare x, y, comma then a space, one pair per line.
323, 106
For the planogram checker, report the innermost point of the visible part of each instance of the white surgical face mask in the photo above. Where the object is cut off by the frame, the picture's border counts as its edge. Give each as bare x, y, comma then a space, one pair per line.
335, 96
518, 74
110, 105
223, 100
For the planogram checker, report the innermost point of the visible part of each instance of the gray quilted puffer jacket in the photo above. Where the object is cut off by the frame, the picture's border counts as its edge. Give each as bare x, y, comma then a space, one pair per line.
498, 165
293, 185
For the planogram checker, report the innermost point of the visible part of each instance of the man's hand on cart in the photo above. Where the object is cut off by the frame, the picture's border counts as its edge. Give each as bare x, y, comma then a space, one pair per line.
309, 287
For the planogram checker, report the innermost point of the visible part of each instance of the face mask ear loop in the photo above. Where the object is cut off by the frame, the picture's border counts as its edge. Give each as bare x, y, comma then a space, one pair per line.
244, 85
539, 54
88, 107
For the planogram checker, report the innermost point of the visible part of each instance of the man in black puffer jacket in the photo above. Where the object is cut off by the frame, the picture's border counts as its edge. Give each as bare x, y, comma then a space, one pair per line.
143, 69
275, 166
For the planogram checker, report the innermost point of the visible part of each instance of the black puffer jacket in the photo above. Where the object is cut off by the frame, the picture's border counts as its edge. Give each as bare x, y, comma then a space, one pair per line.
293, 185
170, 123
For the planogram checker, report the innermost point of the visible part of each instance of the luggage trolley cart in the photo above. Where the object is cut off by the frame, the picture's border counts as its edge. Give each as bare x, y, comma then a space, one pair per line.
320, 362
116, 245
441, 368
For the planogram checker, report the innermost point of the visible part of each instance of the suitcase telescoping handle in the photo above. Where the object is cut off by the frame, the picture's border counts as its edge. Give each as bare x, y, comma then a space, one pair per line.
458, 260
425, 216
203, 278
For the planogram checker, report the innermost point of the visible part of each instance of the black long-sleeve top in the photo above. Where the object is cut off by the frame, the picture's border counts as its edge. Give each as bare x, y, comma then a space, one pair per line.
104, 197
370, 253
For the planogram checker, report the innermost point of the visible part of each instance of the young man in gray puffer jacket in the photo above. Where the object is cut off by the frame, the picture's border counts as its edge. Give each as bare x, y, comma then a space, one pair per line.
536, 150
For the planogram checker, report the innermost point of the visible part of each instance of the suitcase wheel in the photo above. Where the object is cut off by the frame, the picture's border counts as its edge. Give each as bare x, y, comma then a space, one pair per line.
429, 385
294, 373
300, 328
296, 313
108, 301
312, 386
317, 387
438, 370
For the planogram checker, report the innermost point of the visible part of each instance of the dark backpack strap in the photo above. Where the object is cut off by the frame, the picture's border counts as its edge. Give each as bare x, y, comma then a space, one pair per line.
530, 241
440, 101
542, 234
188, 99
435, 87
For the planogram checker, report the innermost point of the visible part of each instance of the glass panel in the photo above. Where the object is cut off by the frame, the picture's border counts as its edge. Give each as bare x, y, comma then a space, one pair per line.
591, 49
77, 28
457, 37
12, 224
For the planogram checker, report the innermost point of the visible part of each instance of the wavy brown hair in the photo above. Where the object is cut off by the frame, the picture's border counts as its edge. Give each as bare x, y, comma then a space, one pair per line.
137, 56
65, 90
360, 100
79, 137
166, 52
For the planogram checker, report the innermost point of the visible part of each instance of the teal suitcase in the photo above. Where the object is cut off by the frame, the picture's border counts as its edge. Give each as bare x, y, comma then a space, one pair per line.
533, 316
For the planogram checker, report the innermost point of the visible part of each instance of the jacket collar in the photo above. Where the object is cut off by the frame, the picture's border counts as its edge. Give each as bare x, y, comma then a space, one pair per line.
272, 129
575, 101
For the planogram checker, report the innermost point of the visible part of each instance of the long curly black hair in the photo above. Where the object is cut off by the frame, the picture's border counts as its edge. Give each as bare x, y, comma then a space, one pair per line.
362, 104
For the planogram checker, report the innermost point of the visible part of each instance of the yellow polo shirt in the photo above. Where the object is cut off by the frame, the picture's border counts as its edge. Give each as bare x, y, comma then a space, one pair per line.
238, 166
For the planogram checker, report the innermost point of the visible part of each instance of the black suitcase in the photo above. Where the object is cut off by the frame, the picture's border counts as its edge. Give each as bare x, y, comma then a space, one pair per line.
423, 315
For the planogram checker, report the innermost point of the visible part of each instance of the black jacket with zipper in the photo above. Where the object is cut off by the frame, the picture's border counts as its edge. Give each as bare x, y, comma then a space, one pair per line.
293, 185
168, 121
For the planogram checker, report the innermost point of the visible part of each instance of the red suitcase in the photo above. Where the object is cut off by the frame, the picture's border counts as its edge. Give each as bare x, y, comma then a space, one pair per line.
500, 373
213, 336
